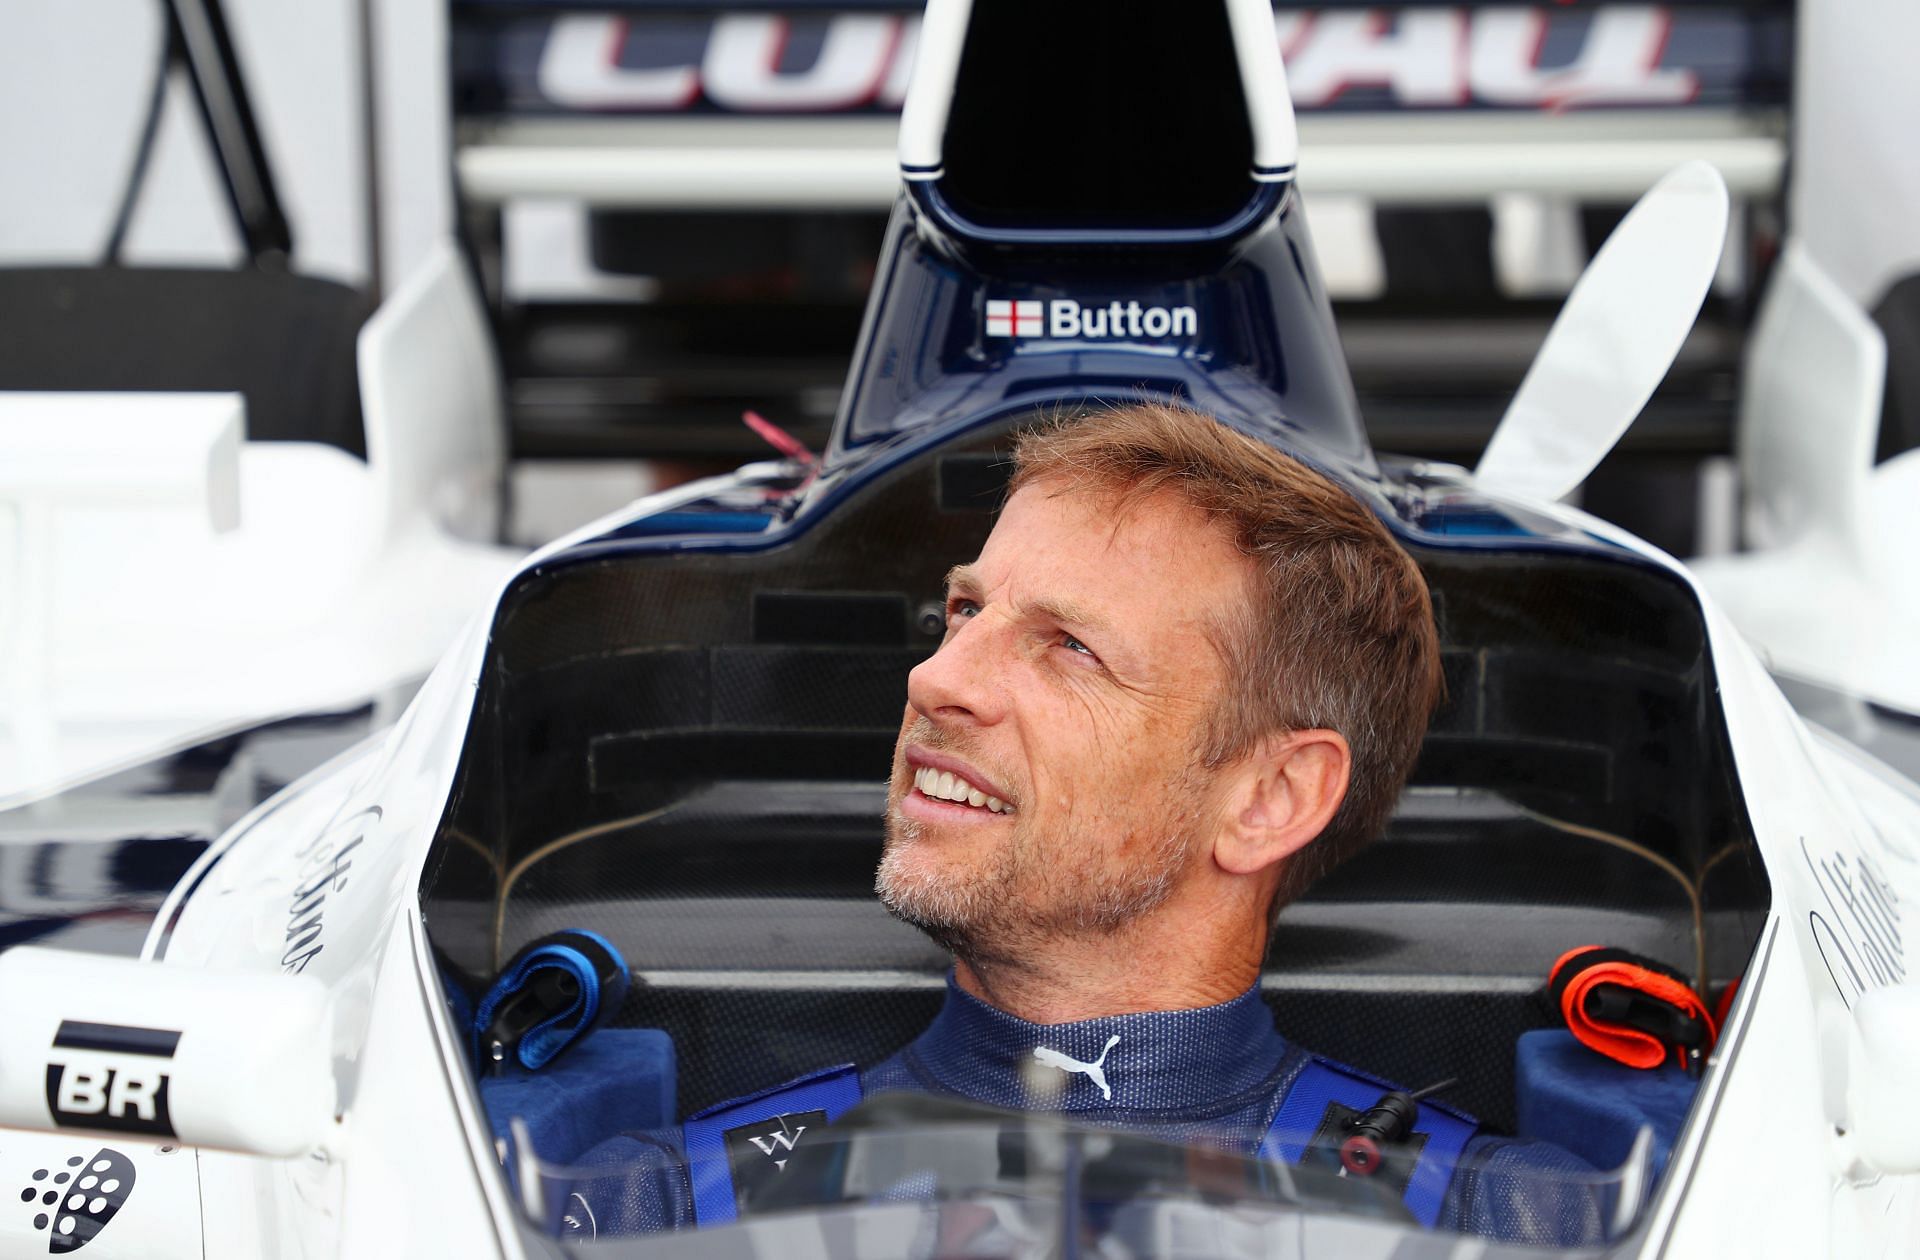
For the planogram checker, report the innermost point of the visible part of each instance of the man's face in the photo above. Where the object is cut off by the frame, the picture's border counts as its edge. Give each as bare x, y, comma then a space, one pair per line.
1073, 685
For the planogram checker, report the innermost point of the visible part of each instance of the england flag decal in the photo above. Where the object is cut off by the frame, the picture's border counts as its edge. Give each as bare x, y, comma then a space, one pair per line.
1064, 319
1013, 319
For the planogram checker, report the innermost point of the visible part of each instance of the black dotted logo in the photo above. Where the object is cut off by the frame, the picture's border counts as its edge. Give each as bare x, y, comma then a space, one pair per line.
75, 1202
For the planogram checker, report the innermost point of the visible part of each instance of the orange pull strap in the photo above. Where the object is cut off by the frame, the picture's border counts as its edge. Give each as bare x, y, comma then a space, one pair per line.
1633, 1009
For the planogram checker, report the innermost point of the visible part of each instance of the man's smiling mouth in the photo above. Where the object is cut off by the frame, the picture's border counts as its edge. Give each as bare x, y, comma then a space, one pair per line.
942, 785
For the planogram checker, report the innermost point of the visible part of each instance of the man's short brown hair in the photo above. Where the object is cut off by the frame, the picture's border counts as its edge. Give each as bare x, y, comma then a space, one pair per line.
1340, 635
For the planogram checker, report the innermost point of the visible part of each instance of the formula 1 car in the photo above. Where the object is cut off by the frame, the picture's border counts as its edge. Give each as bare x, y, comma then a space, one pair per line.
661, 758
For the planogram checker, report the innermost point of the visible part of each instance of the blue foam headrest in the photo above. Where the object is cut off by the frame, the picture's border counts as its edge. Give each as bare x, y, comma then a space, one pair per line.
1587, 1103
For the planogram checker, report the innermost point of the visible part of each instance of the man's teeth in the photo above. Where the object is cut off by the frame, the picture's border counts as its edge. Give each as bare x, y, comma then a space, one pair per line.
943, 785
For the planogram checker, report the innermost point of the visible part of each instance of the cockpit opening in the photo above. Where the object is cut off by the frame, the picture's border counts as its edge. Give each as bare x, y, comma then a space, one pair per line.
684, 750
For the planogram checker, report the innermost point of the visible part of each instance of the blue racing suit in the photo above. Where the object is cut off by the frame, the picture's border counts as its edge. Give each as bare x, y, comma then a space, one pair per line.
1218, 1076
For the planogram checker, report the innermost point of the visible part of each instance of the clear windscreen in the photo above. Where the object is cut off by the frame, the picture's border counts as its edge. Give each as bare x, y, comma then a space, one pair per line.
911, 1176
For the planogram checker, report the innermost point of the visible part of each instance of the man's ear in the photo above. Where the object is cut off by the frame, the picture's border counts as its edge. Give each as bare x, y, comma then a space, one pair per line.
1280, 796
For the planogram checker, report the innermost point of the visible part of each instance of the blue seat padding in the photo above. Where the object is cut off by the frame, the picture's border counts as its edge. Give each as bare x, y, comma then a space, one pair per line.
612, 1080
1586, 1103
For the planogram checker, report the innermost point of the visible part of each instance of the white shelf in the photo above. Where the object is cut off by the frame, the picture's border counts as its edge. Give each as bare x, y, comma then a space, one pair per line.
850, 164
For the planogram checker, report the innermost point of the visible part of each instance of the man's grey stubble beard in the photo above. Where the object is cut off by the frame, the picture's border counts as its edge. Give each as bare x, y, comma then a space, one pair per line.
951, 913
980, 918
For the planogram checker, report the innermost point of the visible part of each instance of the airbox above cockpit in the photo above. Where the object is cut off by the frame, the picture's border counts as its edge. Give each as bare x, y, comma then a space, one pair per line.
1142, 126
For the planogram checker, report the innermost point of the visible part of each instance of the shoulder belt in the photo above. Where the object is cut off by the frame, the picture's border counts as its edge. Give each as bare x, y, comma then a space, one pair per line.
1323, 1082
709, 1167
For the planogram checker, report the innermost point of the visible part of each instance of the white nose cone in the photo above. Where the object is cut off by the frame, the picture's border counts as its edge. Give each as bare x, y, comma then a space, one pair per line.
1614, 340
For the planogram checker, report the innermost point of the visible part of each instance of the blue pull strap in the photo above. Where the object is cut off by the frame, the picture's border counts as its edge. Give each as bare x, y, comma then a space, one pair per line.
709, 1165
1323, 1082
600, 983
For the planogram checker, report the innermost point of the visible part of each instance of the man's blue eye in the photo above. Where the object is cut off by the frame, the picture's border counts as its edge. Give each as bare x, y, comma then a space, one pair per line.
1074, 645
961, 609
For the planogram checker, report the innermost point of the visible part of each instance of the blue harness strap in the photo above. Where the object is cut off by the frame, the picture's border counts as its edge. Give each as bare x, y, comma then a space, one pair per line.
835, 1090
709, 1164
1323, 1082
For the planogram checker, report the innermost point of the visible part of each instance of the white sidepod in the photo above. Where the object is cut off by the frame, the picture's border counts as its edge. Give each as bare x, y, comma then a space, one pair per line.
1820, 519
148, 1052
119, 1200
1882, 1119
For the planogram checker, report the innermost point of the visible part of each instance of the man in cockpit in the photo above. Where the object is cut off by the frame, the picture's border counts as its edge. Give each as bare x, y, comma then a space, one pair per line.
1185, 677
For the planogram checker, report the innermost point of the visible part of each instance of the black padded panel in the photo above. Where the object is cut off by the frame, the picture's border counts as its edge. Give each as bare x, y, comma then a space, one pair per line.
286, 342
837, 618
1898, 315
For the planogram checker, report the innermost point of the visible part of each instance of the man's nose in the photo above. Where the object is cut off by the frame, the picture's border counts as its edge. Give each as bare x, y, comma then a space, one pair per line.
961, 682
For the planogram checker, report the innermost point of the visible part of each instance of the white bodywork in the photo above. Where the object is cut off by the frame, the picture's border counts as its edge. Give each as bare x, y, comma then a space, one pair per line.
1823, 522
1761, 1169
211, 588
411, 1168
